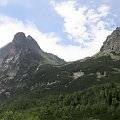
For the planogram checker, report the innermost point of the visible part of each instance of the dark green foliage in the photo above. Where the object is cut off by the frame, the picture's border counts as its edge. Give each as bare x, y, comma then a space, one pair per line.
63, 75
95, 103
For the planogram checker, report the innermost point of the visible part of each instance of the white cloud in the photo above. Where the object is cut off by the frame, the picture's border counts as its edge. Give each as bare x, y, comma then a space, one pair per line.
88, 26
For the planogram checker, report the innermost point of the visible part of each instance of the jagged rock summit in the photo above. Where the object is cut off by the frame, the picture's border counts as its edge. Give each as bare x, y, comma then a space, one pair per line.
112, 42
22, 44
20, 41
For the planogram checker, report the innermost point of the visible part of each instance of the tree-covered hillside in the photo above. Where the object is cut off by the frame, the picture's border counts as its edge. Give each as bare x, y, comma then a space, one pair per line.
95, 103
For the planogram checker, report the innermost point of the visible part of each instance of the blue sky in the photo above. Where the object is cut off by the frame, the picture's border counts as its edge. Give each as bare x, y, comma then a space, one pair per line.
71, 29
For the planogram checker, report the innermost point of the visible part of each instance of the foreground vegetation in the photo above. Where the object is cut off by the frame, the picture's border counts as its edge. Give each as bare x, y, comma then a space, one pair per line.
95, 103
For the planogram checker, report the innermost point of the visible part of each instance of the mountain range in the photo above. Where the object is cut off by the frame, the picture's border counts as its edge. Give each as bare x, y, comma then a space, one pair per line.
35, 85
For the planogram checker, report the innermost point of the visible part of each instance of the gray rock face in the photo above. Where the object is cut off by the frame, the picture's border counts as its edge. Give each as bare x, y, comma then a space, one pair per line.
21, 42
4, 52
18, 55
112, 42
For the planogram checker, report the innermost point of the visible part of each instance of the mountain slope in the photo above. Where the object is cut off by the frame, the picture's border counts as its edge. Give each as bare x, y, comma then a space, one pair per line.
19, 59
87, 89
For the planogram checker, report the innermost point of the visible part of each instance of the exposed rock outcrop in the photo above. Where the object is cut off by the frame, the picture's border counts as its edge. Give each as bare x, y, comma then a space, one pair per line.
112, 42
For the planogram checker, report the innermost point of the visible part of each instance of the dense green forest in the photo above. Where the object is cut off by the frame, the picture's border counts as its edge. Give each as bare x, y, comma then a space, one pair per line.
95, 103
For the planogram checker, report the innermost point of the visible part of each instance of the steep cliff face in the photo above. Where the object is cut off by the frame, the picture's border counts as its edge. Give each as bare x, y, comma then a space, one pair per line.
112, 42
4, 52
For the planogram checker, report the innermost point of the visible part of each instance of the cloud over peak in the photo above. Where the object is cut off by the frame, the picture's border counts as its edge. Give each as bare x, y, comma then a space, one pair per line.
80, 21
86, 26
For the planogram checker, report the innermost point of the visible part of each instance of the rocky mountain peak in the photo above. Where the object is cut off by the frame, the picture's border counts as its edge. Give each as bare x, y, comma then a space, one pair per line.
112, 42
32, 43
19, 38
21, 42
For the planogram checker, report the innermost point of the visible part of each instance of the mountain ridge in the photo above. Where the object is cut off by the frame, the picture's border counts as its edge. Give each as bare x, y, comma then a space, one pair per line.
20, 42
